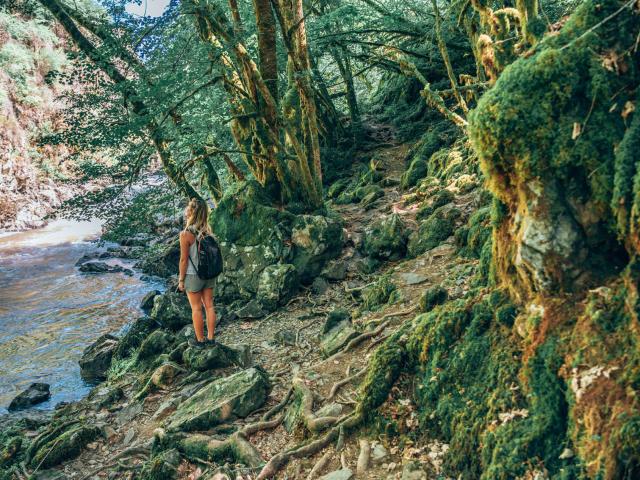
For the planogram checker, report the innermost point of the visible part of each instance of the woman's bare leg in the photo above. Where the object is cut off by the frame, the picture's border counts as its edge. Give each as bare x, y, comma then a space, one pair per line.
209, 307
195, 300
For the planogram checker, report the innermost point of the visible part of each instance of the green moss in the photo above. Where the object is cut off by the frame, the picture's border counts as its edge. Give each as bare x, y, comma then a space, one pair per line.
65, 446
438, 199
472, 239
386, 239
380, 293
162, 466
433, 231
431, 297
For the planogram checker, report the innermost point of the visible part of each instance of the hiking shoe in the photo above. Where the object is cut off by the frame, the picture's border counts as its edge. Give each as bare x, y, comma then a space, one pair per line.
210, 343
195, 343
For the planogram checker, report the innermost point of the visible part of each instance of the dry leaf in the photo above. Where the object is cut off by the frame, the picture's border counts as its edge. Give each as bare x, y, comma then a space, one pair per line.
628, 108
577, 130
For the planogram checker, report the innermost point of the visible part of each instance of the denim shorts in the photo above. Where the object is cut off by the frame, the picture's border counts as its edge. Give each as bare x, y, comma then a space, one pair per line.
193, 283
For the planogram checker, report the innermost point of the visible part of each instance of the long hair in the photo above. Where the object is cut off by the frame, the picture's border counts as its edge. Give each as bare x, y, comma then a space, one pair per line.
197, 215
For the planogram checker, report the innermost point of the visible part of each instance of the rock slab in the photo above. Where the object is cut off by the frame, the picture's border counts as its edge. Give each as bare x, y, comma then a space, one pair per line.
222, 400
36, 393
96, 358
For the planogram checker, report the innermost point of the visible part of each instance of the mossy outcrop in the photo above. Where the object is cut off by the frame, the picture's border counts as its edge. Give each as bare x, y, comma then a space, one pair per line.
171, 310
58, 444
439, 226
385, 239
235, 396
254, 234
96, 358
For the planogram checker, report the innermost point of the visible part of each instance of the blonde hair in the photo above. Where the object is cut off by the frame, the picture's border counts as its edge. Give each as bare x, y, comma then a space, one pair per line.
197, 217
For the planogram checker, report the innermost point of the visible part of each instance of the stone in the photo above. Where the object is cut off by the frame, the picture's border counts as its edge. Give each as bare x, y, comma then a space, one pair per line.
34, 394
217, 356
96, 358
413, 471
253, 309
146, 303
105, 396
434, 230
330, 410
99, 267
411, 278
222, 400
337, 337
133, 337
65, 445
335, 270
166, 408
164, 375
335, 317
164, 263
385, 239
316, 239
276, 285
370, 198
343, 474
378, 453
156, 343
431, 297
285, 337
319, 286
171, 310
129, 436
163, 466
128, 413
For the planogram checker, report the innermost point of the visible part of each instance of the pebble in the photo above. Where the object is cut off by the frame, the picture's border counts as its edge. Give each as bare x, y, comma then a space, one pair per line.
344, 474
378, 453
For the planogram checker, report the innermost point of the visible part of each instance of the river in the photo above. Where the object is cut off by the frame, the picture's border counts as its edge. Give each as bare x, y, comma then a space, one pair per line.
49, 311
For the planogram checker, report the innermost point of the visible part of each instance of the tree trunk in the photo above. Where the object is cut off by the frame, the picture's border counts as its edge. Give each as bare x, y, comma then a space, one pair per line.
266, 26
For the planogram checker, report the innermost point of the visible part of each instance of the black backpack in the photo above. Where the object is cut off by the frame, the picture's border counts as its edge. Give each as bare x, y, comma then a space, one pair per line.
209, 258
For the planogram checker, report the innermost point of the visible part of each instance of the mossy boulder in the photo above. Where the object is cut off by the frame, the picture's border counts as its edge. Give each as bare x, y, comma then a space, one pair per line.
438, 199
217, 356
161, 259
381, 293
137, 332
337, 334
386, 238
471, 238
276, 285
171, 310
158, 342
96, 358
434, 230
433, 296
51, 450
254, 234
223, 400
338, 187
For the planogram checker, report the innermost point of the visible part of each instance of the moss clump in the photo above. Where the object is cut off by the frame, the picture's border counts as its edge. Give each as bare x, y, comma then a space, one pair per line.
433, 296
440, 198
383, 292
162, 466
386, 239
473, 237
66, 445
434, 230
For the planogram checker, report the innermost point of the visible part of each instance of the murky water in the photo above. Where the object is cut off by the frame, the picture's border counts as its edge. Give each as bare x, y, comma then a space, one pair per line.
49, 311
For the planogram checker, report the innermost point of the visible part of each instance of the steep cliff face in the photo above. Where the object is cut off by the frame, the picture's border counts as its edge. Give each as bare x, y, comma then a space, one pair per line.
32, 177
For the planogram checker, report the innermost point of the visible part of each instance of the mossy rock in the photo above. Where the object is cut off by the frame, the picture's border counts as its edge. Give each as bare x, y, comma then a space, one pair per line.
381, 293
478, 230
337, 337
96, 358
276, 285
162, 466
223, 400
158, 342
368, 193
385, 239
431, 297
438, 199
137, 332
334, 318
66, 445
433, 231
171, 310
217, 356
161, 259
316, 240
338, 187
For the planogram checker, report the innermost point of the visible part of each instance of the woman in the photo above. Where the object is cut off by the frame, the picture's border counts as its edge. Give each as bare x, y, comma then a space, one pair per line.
199, 291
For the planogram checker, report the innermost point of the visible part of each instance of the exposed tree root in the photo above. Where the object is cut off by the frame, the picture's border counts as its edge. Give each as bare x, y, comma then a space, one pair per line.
319, 466
311, 422
336, 386
280, 460
363, 458
277, 408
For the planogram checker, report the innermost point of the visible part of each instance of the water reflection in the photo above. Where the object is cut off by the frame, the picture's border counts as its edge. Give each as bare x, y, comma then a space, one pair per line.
49, 311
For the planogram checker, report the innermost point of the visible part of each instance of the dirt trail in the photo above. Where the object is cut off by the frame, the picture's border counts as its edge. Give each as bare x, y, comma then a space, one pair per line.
286, 345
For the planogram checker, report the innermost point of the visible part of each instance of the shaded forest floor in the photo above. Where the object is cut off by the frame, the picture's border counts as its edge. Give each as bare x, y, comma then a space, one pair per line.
286, 345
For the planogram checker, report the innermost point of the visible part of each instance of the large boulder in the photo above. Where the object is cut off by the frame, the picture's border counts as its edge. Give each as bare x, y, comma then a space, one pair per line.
34, 394
162, 262
276, 284
158, 342
235, 396
96, 358
386, 238
137, 332
171, 310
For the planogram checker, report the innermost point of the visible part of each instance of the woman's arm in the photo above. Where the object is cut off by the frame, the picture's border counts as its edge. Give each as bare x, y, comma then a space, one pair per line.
185, 243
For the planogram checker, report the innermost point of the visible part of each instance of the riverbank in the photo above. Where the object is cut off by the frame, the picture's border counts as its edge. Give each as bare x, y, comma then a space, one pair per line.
294, 371
50, 311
